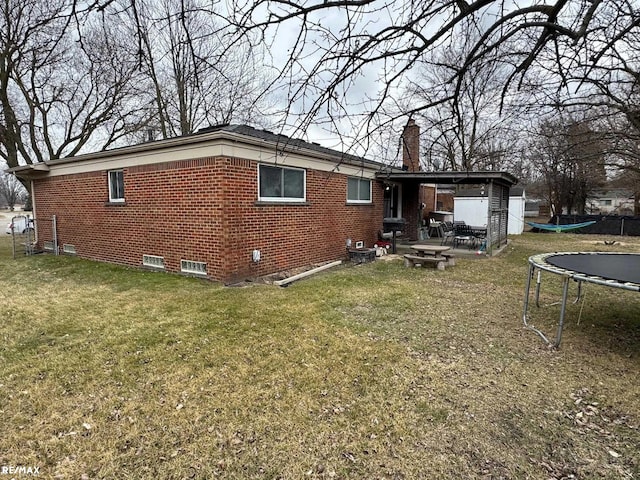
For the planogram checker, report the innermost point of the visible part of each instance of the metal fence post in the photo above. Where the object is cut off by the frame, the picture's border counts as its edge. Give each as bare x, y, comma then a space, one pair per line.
13, 239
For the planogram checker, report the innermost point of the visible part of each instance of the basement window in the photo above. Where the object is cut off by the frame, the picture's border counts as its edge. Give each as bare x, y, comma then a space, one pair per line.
116, 186
358, 190
69, 249
193, 267
153, 261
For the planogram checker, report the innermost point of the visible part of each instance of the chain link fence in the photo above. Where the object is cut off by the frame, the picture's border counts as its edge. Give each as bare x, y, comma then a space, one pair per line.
33, 235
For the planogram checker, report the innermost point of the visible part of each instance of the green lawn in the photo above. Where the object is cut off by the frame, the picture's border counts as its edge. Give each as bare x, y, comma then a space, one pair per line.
365, 372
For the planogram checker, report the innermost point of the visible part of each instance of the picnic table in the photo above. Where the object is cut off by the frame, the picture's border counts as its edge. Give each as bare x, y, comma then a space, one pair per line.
437, 255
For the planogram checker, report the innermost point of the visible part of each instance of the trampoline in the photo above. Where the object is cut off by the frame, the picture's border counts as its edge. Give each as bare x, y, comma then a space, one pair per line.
615, 270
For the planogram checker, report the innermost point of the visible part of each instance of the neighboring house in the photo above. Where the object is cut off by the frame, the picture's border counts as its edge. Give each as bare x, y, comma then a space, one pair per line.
615, 201
471, 206
228, 203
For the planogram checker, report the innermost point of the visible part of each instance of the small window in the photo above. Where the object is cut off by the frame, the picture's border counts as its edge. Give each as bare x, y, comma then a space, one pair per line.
358, 190
116, 186
191, 266
281, 184
153, 261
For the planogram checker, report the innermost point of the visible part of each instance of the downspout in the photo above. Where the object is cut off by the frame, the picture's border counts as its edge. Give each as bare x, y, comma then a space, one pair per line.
435, 197
33, 212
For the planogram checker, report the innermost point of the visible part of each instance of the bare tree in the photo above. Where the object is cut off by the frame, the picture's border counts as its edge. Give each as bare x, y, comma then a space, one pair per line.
193, 80
64, 84
570, 157
11, 190
337, 42
78, 75
470, 133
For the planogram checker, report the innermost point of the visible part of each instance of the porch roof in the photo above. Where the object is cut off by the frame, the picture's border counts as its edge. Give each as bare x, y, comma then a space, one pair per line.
502, 178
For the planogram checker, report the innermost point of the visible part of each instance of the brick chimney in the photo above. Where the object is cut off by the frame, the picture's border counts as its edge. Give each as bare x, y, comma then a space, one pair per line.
411, 147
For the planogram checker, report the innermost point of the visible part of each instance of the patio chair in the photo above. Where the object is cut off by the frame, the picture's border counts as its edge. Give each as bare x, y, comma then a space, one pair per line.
434, 228
464, 234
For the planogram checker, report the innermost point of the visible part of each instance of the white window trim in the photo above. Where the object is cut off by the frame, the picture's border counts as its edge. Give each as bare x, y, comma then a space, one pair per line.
370, 191
111, 199
284, 199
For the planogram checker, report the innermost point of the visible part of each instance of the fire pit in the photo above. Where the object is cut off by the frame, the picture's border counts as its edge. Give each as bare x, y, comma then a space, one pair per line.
362, 255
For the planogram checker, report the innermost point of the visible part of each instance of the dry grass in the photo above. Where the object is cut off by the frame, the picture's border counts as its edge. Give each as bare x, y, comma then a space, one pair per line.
374, 371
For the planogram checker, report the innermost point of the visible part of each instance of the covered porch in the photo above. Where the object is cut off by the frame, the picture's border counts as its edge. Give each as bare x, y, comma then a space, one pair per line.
405, 201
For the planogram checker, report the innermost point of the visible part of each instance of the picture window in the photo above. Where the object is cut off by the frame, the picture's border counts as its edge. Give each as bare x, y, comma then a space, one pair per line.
281, 184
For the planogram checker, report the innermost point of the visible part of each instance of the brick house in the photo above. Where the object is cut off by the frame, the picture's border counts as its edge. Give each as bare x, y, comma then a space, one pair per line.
227, 203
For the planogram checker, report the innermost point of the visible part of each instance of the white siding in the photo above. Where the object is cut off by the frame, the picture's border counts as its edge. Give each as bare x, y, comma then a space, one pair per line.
473, 211
516, 215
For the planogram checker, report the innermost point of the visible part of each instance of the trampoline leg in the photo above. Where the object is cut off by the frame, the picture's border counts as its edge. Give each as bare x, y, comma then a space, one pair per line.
579, 295
565, 291
526, 305
538, 283
526, 295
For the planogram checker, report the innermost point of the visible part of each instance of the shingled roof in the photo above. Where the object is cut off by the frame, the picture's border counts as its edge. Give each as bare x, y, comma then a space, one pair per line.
234, 132
287, 143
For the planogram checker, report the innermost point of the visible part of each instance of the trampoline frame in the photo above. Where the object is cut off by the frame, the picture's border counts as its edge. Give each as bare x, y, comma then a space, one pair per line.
538, 262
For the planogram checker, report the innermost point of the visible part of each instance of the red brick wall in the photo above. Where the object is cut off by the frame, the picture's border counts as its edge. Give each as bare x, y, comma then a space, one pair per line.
445, 200
411, 146
205, 210
411, 209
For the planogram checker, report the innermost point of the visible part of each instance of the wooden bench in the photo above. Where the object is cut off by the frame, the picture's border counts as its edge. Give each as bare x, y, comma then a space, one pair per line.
413, 260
